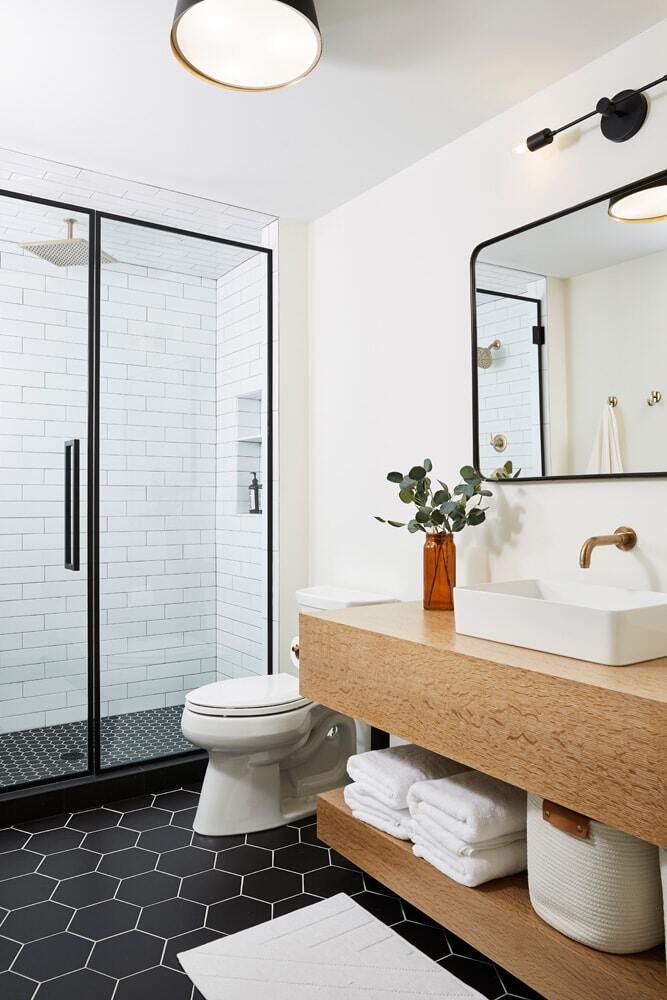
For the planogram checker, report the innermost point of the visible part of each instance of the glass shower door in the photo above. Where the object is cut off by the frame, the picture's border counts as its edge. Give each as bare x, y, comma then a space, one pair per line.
44, 338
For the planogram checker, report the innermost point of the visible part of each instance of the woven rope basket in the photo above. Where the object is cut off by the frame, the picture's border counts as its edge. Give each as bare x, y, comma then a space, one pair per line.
603, 891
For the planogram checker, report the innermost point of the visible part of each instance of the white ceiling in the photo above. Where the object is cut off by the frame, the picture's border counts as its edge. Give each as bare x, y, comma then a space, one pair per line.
94, 83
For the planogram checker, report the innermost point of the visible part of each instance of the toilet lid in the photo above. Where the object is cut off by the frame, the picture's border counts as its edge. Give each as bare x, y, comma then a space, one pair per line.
266, 695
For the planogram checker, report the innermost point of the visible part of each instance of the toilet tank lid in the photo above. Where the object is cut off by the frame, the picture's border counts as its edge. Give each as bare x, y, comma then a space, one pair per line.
268, 691
326, 598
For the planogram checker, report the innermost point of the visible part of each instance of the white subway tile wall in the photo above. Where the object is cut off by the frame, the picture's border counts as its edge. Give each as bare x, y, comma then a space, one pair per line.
177, 609
509, 391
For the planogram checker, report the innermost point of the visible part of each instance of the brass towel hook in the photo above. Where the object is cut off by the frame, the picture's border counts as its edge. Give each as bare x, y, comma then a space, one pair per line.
654, 398
612, 401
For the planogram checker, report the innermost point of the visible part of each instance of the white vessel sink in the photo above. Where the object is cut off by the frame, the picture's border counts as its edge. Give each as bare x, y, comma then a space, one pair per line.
611, 625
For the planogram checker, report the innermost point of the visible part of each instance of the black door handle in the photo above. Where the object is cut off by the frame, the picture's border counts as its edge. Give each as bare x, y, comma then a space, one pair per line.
72, 552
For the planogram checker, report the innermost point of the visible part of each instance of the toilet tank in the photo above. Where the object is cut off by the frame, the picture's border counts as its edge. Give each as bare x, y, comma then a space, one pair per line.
328, 598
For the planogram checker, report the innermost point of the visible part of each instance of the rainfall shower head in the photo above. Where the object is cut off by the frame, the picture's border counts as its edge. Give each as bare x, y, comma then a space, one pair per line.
484, 356
69, 252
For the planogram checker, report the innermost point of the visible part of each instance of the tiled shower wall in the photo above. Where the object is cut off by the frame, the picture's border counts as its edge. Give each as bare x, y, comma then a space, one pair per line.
157, 458
241, 536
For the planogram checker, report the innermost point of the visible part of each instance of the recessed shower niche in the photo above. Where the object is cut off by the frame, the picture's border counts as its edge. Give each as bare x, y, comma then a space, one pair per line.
126, 578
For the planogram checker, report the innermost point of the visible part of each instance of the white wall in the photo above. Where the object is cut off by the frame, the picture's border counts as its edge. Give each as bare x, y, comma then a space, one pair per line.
390, 343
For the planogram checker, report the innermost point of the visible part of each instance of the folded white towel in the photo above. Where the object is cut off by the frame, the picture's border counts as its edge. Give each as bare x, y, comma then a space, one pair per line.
389, 774
430, 829
487, 865
471, 805
368, 809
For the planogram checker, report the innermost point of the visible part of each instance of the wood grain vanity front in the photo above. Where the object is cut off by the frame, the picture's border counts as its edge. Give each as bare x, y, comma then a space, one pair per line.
589, 737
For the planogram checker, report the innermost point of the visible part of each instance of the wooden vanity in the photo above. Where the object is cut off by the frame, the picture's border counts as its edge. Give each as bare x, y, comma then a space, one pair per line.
590, 737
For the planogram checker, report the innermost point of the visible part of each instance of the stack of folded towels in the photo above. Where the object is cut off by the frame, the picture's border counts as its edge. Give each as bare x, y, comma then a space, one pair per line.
382, 780
470, 826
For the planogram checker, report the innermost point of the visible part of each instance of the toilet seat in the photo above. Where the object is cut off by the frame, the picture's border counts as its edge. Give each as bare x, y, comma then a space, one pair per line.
273, 694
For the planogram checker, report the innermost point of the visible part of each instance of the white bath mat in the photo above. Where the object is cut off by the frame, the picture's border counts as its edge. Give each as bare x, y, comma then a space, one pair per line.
333, 950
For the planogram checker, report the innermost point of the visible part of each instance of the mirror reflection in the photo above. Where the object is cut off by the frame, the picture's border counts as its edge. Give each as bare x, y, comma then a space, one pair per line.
571, 352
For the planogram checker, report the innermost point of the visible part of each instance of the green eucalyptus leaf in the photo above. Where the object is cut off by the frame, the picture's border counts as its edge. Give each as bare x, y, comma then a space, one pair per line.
396, 524
440, 496
423, 516
468, 473
394, 477
407, 496
380, 519
476, 516
414, 526
407, 483
428, 464
437, 517
417, 472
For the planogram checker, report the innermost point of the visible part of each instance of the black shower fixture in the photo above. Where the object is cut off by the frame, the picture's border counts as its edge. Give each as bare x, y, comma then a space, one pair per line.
621, 117
255, 487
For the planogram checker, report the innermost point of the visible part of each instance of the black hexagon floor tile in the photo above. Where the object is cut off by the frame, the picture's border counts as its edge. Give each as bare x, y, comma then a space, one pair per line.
8, 952
186, 861
173, 801
45, 823
37, 921
16, 987
25, 889
103, 920
83, 890
12, 840
106, 841
281, 836
164, 838
294, 903
79, 985
126, 954
272, 885
131, 861
185, 942
18, 863
385, 908
172, 917
94, 819
69, 863
52, 956
95, 901
145, 819
160, 982
149, 888
243, 860
54, 841
210, 887
236, 914
301, 858
329, 881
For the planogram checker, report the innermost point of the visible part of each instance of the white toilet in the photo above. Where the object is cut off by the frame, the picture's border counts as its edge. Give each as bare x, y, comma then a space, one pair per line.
270, 751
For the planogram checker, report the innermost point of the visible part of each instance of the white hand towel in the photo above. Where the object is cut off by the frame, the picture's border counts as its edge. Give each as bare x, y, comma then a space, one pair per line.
430, 829
496, 863
389, 774
606, 451
368, 809
472, 805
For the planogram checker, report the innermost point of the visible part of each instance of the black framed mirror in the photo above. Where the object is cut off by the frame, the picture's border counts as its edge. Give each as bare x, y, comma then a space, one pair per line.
569, 342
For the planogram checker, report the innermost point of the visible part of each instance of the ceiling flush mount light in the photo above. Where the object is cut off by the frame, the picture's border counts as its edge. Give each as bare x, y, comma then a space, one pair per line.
621, 117
646, 203
250, 45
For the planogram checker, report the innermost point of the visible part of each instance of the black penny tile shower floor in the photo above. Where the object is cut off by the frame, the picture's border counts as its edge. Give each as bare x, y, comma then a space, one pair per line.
52, 751
98, 904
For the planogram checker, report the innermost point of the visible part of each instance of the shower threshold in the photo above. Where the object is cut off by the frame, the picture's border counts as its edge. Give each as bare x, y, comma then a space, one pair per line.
57, 751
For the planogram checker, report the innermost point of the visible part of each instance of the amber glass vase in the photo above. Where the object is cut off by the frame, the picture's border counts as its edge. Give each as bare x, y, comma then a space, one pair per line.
439, 572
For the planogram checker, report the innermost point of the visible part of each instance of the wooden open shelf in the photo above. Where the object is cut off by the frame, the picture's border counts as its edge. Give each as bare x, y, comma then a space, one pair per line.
496, 918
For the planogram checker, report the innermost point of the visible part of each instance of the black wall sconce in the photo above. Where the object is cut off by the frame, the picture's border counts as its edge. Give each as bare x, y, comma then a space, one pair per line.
621, 116
255, 487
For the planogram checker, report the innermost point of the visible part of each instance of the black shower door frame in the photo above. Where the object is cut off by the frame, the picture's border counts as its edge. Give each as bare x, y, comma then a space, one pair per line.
95, 221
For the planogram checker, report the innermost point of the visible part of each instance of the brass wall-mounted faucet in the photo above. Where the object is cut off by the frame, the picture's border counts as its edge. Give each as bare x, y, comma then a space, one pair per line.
623, 538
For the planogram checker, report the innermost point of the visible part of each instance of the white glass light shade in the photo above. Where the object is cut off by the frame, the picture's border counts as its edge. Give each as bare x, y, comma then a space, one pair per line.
647, 204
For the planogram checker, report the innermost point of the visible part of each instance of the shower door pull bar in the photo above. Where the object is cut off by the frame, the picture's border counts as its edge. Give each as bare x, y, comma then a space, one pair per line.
72, 552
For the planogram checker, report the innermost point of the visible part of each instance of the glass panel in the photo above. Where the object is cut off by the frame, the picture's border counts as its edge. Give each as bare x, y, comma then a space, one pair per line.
508, 385
43, 404
183, 430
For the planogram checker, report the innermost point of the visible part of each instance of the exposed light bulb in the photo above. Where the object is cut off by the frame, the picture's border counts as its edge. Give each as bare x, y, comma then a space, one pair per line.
520, 148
